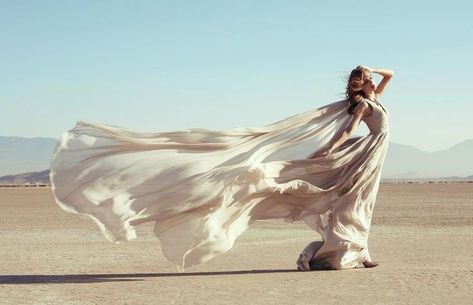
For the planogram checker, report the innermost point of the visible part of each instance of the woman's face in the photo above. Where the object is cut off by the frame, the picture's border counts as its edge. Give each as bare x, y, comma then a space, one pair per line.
369, 85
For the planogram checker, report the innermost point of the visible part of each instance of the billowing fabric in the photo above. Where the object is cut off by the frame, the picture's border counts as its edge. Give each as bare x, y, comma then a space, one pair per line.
203, 188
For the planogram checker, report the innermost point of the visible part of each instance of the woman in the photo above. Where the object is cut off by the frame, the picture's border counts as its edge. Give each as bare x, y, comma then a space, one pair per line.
346, 232
203, 188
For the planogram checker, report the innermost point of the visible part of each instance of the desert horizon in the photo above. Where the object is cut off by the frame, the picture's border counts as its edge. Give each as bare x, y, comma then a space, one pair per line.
33, 155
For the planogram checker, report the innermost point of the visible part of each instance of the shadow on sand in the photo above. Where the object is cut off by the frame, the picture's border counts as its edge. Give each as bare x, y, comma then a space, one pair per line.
119, 277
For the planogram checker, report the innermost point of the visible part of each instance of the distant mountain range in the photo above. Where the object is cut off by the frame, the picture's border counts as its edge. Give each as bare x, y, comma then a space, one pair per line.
20, 155
27, 160
403, 161
25, 178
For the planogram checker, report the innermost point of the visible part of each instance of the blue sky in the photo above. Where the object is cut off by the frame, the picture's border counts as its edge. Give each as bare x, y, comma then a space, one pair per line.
169, 65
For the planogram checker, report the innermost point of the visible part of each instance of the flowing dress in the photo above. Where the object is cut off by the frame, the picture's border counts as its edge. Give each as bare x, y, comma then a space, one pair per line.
202, 188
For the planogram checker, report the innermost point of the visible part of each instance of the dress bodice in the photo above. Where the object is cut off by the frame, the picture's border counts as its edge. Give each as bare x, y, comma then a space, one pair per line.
377, 122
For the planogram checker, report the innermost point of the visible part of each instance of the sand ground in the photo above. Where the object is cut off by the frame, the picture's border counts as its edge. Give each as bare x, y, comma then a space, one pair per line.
422, 236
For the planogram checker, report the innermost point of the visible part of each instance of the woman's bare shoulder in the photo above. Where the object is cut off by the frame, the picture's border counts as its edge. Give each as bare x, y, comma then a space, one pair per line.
363, 108
366, 108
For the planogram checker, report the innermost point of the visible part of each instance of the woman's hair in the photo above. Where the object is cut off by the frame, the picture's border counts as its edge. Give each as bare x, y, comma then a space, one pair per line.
354, 92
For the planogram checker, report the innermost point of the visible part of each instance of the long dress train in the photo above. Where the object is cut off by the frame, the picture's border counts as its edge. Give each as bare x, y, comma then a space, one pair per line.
203, 188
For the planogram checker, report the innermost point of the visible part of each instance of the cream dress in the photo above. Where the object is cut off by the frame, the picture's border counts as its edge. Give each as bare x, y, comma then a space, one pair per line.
203, 188
345, 226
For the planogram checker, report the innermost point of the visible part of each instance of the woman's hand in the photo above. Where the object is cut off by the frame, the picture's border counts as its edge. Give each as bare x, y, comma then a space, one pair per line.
321, 153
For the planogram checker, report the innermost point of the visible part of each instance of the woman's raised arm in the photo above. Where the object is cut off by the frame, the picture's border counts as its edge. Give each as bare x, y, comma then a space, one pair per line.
387, 75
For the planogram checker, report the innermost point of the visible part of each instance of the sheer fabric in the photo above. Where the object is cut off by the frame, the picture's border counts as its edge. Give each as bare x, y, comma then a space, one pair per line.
203, 188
